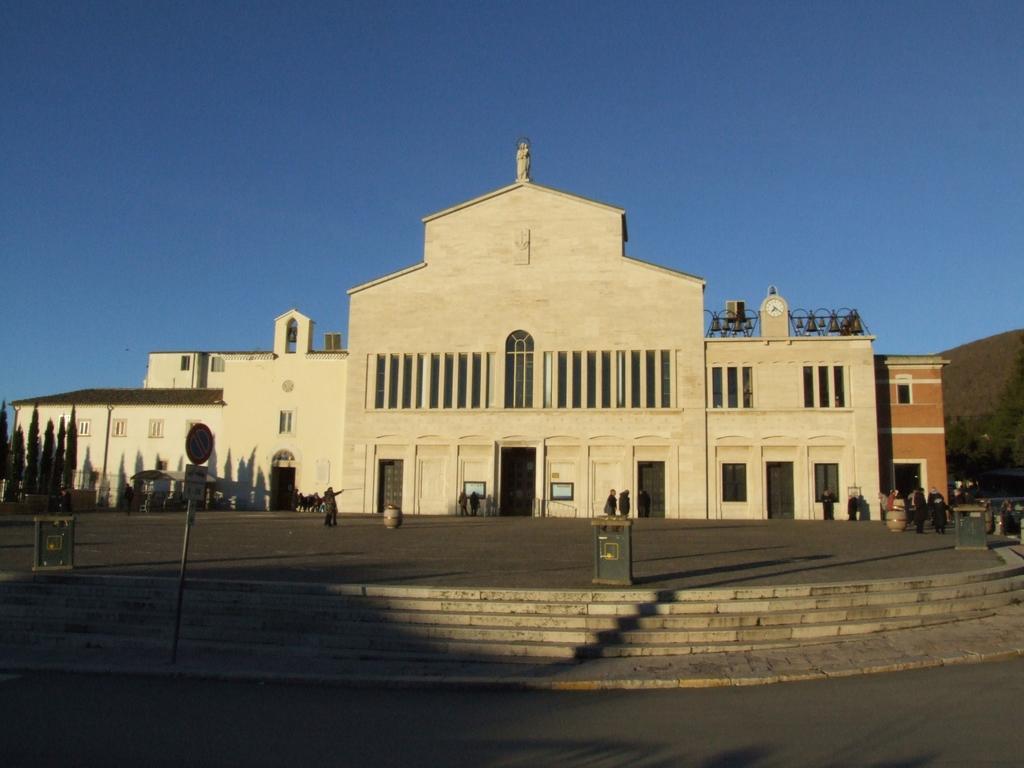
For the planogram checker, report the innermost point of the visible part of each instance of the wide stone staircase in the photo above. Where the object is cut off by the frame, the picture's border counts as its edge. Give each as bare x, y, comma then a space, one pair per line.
430, 623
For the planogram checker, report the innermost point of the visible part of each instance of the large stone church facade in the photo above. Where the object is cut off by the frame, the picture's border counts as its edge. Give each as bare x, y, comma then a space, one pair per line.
528, 358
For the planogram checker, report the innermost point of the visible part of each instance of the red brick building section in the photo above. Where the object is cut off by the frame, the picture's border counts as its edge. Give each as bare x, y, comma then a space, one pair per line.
911, 422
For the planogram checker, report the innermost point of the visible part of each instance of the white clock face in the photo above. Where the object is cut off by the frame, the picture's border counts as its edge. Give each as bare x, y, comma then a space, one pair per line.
775, 307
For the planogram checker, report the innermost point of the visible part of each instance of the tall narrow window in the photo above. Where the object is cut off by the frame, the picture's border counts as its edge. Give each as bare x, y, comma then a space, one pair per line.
562, 379
826, 476
460, 397
449, 379
823, 396
185, 362
284, 422
407, 381
548, 384
652, 378
808, 386
716, 387
519, 370
634, 378
903, 394
474, 394
606, 379
732, 386
393, 382
577, 378
435, 379
420, 373
666, 379
620, 379
379, 388
840, 386
591, 379
748, 387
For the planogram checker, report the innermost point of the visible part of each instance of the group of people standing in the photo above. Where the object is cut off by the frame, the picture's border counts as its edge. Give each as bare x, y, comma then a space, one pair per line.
621, 505
469, 505
919, 508
853, 505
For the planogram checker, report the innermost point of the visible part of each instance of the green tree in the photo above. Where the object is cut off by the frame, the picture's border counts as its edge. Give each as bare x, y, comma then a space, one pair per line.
45, 459
57, 472
32, 453
71, 453
17, 466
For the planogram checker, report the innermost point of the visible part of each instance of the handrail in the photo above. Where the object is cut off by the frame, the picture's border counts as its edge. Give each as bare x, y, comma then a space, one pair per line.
571, 507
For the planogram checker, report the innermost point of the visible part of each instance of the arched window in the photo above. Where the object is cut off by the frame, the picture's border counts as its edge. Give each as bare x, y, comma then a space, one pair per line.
291, 337
519, 370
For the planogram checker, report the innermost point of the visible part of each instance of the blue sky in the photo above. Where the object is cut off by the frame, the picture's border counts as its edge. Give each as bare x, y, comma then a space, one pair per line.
175, 175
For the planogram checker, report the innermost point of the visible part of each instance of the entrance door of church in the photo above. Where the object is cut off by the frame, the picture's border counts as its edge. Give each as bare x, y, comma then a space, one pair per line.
780, 489
651, 478
518, 481
390, 484
283, 482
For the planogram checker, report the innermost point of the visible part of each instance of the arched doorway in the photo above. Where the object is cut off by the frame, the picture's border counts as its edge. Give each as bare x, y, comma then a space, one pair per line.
282, 480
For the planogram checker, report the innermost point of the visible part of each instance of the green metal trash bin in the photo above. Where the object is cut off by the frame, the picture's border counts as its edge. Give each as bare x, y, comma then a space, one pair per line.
613, 555
970, 526
54, 543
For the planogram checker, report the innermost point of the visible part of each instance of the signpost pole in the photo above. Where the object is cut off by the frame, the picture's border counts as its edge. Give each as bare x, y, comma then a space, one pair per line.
181, 582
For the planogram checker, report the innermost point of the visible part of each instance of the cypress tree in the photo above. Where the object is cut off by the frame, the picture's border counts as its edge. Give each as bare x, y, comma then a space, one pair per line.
71, 452
17, 466
32, 453
46, 459
4, 445
57, 473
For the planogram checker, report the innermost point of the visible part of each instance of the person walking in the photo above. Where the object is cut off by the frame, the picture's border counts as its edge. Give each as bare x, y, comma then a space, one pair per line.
330, 507
853, 507
474, 503
643, 503
129, 494
920, 507
937, 505
624, 504
610, 504
463, 511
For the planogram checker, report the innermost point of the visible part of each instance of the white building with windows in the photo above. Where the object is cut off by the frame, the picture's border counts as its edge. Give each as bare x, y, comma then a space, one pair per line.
529, 358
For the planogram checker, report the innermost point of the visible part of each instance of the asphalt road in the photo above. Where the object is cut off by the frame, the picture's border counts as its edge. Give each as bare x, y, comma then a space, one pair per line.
957, 716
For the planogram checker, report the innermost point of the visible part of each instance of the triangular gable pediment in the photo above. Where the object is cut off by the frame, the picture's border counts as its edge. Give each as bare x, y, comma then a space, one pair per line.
527, 185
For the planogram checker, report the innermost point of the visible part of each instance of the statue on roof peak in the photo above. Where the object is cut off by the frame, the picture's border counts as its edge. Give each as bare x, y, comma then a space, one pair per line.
523, 159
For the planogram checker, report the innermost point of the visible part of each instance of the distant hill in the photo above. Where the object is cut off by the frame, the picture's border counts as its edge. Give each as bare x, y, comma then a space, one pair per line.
977, 374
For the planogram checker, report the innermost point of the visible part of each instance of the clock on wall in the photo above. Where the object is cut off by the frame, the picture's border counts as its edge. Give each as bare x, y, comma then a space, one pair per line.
775, 306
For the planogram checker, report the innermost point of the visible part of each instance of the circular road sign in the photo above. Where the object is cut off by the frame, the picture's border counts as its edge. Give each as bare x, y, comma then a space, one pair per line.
199, 443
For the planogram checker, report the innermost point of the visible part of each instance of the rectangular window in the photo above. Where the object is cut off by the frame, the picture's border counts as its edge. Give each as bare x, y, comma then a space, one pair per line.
823, 396
808, 386
732, 387
716, 388
84, 428
474, 395
488, 380
634, 378
460, 395
826, 476
285, 422
666, 379
156, 427
734, 482
652, 378
840, 386
748, 387
577, 378
591, 379
393, 382
903, 393
185, 362
562, 379
217, 364
407, 361
420, 373
119, 428
378, 398
449, 369
606, 379
548, 373
435, 379
620, 379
